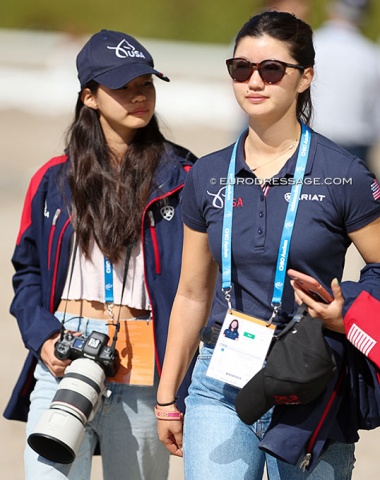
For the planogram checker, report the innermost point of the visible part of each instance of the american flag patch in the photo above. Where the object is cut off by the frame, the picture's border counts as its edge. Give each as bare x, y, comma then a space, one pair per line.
375, 187
361, 339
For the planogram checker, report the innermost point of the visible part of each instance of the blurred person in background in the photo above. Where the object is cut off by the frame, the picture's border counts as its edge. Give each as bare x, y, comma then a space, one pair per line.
299, 8
100, 246
347, 79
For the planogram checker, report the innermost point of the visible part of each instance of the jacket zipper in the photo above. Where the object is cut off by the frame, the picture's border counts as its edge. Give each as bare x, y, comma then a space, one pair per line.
55, 274
153, 225
307, 459
168, 194
156, 249
51, 235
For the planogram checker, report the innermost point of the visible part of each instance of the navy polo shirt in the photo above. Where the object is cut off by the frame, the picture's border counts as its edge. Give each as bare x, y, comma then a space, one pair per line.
339, 195
231, 334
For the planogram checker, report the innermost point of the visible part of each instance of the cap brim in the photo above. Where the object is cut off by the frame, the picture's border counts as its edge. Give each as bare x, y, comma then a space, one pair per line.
251, 402
120, 76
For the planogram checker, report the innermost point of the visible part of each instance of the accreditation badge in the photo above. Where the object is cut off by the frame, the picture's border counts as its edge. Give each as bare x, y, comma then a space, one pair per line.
241, 348
135, 344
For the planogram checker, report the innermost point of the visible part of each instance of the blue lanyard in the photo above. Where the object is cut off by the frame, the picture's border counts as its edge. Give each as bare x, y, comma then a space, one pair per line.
287, 230
108, 281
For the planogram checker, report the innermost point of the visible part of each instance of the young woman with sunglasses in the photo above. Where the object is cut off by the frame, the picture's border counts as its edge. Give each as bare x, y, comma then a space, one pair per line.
99, 248
240, 238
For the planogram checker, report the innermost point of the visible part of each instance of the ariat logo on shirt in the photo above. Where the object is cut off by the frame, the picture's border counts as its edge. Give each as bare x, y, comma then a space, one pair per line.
311, 197
125, 49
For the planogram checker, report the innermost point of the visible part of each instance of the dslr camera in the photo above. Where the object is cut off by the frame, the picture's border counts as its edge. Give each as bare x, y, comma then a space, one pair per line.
60, 430
95, 347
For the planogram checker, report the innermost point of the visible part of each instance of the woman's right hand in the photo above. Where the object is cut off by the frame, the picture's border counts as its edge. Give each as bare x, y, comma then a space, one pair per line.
170, 433
56, 366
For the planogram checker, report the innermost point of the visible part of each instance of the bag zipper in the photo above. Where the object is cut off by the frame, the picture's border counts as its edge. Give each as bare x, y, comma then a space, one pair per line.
307, 458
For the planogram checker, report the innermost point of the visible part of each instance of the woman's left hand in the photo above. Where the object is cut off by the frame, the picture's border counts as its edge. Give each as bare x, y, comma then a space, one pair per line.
330, 314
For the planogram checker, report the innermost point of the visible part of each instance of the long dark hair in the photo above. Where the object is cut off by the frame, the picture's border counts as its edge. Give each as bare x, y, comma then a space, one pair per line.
108, 202
297, 34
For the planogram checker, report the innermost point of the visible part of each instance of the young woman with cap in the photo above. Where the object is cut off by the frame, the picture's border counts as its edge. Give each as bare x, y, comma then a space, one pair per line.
281, 197
99, 250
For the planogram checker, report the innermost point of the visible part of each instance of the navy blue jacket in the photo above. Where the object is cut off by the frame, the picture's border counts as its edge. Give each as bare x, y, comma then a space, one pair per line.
41, 259
351, 401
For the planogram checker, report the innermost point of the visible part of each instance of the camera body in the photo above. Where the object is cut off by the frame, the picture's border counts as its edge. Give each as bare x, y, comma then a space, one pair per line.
95, 347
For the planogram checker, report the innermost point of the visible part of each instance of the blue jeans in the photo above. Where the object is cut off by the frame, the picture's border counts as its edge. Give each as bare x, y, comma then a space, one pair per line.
124, 425
218, 445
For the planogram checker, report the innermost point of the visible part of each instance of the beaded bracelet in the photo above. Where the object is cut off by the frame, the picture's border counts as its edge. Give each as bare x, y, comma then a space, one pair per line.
167, 404
160, 415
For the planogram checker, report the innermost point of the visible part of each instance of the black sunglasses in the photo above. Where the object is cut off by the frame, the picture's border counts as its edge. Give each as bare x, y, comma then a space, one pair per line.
271, 71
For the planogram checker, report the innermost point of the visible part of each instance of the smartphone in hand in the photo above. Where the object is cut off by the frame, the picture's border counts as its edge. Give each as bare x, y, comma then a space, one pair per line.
310, 286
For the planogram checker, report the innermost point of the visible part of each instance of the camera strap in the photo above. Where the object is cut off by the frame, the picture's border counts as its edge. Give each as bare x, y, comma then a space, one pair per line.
117, 324
68, 289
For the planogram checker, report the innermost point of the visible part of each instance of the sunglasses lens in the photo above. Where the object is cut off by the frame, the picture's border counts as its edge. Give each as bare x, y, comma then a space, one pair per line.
239, 70
271, 71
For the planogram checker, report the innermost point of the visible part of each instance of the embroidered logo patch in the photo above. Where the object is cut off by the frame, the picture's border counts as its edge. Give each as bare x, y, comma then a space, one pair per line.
125, 49
375, 187
361, 339
218, 199
311, 197
167, 212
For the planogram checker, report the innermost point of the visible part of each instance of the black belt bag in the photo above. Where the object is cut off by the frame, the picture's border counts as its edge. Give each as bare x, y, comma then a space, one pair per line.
209, 335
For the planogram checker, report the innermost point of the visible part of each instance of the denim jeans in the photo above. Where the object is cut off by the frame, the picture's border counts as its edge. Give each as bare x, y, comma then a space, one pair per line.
124, 425
218, 445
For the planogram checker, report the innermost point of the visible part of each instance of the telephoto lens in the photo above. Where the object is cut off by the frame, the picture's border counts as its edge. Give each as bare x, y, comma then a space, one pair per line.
60, 430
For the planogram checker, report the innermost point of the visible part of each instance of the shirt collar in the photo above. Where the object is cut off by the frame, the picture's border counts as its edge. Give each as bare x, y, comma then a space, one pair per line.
289, 167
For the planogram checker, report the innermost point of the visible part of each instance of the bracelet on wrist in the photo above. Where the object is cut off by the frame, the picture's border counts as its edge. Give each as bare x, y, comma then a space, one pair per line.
167, 404
161, 415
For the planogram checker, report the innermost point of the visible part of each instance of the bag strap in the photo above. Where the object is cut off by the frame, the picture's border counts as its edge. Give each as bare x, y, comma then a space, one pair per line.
296, 319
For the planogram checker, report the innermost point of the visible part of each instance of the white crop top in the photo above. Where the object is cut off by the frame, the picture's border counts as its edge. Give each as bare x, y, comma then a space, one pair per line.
87, 281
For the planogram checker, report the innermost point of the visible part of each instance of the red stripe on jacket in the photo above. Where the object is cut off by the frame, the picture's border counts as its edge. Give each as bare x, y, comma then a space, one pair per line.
26, 217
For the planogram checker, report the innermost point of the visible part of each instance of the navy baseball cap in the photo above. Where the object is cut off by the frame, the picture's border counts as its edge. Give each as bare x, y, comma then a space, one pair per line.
113, 59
